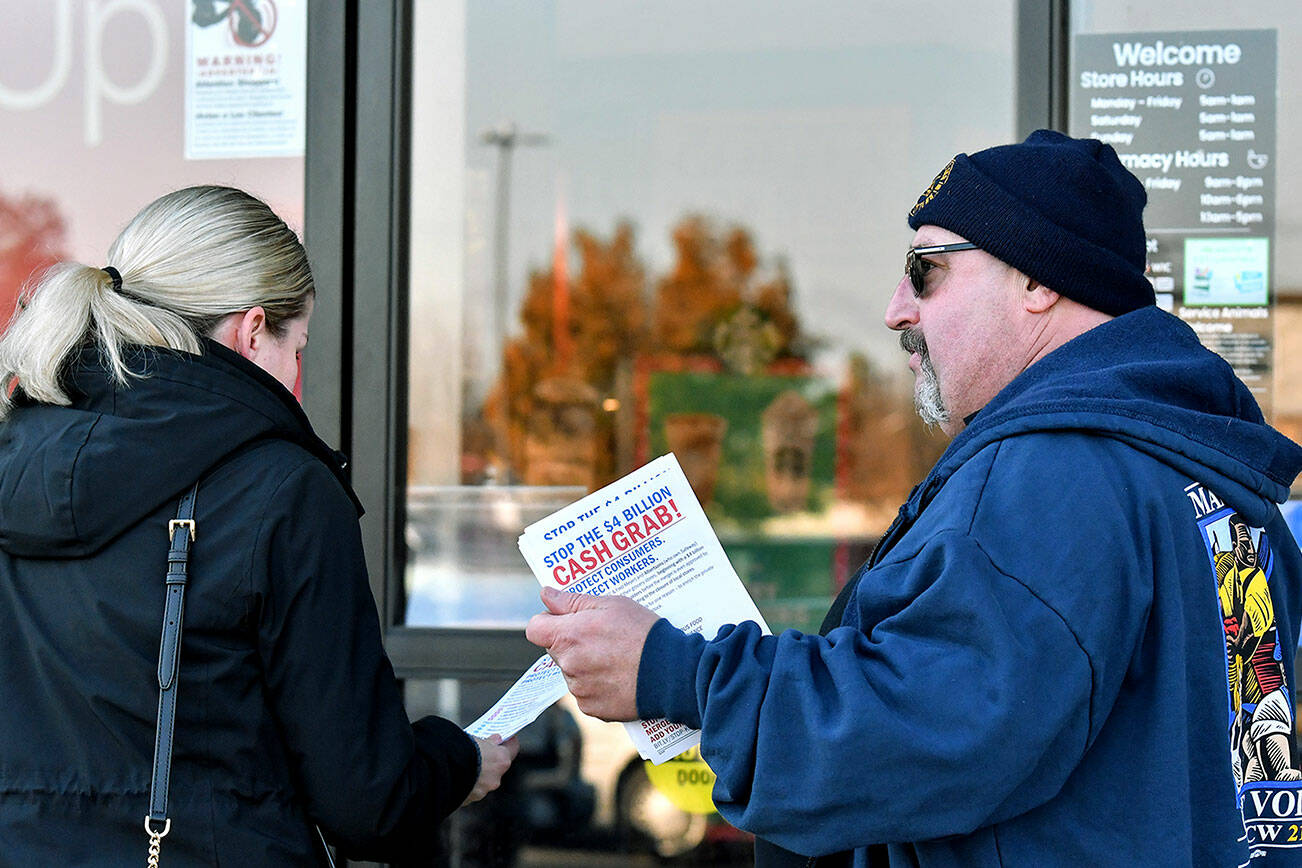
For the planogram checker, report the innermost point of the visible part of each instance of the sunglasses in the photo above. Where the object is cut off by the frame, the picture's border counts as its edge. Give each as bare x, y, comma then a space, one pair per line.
916, 268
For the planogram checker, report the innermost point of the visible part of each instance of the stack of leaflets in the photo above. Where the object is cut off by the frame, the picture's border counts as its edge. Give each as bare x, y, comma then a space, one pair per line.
646, 537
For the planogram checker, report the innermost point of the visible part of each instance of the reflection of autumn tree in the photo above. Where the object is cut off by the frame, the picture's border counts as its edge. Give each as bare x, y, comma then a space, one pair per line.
716, 297
703, 284
608, 320
31, 239
716, 302
772, 298
562, 410
606, 325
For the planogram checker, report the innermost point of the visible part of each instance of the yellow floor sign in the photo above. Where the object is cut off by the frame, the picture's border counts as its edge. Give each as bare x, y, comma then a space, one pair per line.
686, 780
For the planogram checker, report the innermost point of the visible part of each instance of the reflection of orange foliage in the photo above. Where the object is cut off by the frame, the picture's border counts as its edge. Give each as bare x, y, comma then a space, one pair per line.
773, 301
714, 304
581, 417
691, 297
610, 313
31, 240
606, 311
607, 327
713, 279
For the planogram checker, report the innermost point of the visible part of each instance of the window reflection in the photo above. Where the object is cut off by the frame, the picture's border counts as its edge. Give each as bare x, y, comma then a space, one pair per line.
631, 238
463, 568
92, 105
641, 228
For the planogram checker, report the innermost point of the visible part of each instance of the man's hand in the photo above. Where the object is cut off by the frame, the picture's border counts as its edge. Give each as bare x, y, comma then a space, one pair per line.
598, 643
495, 758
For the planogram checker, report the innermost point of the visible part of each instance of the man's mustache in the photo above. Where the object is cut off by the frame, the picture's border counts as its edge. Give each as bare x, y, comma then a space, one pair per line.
912, 341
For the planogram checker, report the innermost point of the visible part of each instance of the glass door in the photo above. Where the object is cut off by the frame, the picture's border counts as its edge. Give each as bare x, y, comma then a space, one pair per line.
648, 228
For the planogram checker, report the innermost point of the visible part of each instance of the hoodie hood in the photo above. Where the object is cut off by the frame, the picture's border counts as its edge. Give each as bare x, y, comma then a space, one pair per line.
73, 478
1145, 379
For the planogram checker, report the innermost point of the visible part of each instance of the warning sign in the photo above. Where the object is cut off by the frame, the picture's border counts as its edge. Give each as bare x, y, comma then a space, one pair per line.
245, 74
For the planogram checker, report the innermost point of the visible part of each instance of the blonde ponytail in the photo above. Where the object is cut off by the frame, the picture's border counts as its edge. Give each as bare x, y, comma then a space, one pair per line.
185, 261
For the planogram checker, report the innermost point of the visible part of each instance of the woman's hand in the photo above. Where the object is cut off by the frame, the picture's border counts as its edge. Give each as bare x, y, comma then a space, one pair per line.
495, 758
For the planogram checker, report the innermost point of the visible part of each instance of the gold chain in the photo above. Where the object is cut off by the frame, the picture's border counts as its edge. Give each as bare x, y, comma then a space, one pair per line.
155, 841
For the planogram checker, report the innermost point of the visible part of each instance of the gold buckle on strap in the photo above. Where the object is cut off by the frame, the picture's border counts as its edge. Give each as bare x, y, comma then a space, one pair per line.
187, 523
149, 829
156, 841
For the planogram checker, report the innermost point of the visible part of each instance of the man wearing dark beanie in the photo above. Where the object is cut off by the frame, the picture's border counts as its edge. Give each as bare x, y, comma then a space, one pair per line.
1074, 646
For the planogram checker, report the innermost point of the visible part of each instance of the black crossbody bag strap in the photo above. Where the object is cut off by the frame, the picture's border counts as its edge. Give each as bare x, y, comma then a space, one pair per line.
180, 533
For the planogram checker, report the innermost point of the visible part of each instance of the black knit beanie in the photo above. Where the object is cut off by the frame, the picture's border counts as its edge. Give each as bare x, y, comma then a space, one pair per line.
1062, 211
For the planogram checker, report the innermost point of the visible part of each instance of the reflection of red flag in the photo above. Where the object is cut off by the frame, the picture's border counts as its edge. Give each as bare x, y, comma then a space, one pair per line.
561, 290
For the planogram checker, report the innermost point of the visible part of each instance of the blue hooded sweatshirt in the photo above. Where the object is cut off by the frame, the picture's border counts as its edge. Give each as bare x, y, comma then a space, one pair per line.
1074, 645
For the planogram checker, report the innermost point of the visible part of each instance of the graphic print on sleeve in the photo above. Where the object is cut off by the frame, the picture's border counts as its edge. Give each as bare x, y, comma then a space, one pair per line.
1263, 747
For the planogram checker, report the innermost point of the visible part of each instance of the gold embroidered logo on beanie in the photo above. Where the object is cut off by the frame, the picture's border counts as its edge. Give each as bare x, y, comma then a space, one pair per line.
931, 191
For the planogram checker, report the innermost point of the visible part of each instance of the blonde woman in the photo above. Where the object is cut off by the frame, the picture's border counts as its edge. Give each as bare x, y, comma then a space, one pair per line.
120, 388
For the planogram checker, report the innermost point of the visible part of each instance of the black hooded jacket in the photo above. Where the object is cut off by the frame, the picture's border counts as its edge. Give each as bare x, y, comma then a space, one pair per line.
288, 710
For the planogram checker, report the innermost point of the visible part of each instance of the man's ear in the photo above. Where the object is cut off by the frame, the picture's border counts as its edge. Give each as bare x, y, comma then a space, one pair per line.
1038, 298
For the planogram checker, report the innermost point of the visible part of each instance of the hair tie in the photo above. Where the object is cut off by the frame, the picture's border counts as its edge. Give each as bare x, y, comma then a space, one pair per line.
115, 275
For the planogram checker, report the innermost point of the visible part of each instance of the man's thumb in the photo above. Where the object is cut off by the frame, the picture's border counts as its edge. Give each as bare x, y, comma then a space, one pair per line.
561, 603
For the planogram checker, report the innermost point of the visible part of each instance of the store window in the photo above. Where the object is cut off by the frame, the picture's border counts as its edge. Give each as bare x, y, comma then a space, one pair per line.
672, 227
106, 106
1200, 81
637, 230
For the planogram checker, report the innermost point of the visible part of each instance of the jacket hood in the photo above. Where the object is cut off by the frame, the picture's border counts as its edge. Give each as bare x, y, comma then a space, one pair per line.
1145, 379
73, 478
